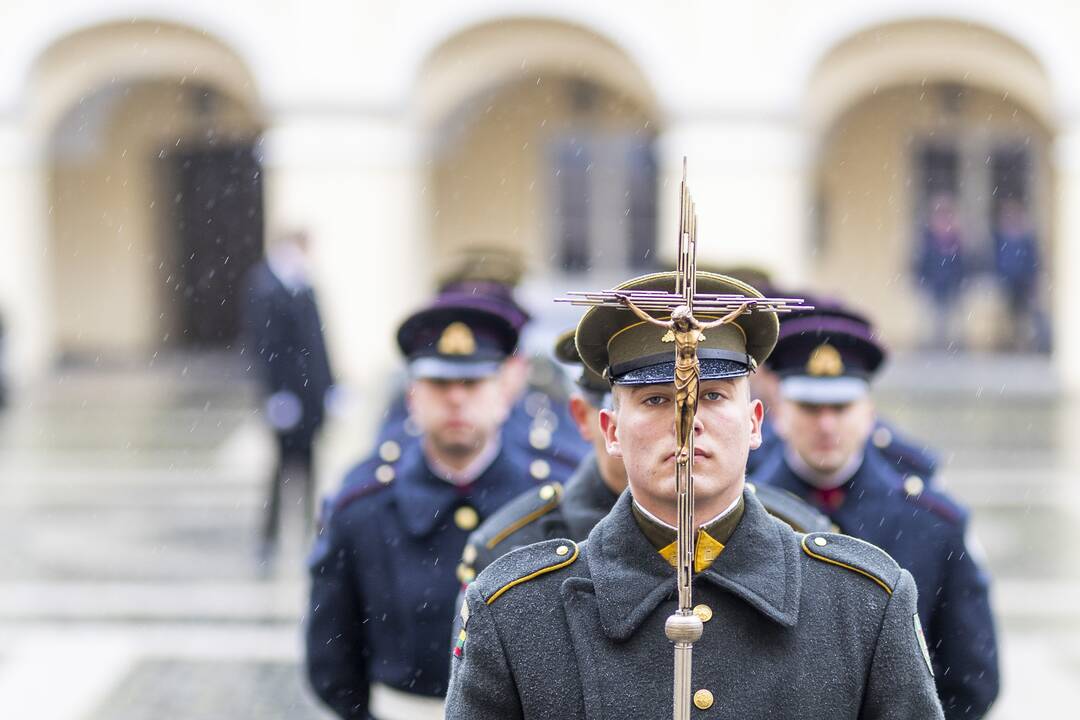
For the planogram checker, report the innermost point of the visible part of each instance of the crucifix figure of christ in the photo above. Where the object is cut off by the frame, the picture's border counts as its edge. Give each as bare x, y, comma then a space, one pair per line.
686, 332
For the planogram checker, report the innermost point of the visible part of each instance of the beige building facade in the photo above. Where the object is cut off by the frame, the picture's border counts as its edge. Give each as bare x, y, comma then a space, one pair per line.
147, 148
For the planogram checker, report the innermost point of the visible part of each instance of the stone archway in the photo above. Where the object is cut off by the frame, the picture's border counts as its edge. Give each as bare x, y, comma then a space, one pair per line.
148, 135
902, 116
540, 139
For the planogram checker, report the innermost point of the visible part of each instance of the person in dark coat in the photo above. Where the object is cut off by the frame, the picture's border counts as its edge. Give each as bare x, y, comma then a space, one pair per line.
383, 581
908, 456
816, 626
288, 352
940, 268
539, 424
555, 511
826, 360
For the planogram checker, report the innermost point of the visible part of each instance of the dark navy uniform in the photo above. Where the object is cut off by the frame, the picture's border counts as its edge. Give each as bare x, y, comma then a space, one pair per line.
925, 533
383, 576
383, 568
538, 427
826, 361
911, 460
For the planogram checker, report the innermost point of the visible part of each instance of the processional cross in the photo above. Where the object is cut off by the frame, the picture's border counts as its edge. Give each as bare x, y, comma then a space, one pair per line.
685, 331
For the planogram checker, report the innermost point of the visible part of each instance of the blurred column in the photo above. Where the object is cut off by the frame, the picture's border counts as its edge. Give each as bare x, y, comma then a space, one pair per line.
25, 299
1065, 258
748, 177
355, 183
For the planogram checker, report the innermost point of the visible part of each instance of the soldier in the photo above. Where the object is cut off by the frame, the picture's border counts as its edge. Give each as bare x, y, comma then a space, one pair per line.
826, 361
383, 582
573, 511
795, 625
538, 425
909, 458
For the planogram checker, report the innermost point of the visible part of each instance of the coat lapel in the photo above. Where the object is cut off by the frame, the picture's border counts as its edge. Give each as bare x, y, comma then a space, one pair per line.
759, 565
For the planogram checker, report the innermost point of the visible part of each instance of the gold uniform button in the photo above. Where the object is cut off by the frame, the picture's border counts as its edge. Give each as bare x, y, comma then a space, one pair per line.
390, 451
469, 555
465, 574
547, 492
882, 437
539, 469
703, 612
703, 699
820, 541
562, 550
540, 438
466, 518
914, 485
384, 474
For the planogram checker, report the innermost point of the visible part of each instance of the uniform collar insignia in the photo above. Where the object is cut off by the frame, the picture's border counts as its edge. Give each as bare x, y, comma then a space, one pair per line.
760, 565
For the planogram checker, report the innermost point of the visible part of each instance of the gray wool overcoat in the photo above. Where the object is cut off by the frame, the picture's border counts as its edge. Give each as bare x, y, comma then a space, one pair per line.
820, 626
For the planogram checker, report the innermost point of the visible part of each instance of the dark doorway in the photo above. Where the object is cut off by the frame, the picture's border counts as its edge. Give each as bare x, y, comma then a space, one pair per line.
218, 231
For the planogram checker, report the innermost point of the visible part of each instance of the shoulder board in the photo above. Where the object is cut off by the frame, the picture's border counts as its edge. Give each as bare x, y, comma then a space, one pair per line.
523, 565
855, 555
800, 515
523, 510
365, 479
934, 501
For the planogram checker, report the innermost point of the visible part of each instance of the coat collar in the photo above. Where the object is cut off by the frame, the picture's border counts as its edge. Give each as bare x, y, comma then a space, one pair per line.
424, 501
586, 499
759, 565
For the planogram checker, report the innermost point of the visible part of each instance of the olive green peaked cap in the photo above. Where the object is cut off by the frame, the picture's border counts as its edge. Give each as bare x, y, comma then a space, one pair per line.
615, 343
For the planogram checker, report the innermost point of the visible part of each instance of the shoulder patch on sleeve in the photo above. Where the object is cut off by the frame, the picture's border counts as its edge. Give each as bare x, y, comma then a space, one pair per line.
521, 511
523, 565
855, 555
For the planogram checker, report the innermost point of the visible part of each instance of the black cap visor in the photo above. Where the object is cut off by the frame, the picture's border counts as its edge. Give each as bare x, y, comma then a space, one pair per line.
712, 368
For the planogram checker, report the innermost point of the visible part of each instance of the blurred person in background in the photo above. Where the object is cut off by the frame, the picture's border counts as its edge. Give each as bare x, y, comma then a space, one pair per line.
826, 361
1017, 263
288, 351
940, 268
910, 458
3, 368
383, 578
539, 425
571, 512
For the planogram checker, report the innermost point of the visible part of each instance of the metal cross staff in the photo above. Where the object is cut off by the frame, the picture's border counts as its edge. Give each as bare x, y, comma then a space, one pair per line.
686, 331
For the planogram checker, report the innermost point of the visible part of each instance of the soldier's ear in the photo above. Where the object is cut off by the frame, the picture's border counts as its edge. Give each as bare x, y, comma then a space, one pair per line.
757, 415
609, 421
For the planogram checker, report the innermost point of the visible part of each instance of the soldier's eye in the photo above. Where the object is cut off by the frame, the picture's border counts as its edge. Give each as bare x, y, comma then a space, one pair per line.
714, 395
655, 400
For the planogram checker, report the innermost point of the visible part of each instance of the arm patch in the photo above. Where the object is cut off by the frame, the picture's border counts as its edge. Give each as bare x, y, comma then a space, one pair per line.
855, 555
523, 565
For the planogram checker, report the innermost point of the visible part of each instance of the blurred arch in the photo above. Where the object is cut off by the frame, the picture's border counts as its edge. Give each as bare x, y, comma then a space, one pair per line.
878, 105
146, 134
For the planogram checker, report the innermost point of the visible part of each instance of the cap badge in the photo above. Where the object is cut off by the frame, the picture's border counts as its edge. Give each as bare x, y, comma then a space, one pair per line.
456, 339
825, 362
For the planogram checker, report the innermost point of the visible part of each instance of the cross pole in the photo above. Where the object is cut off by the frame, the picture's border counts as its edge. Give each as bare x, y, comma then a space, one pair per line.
683, 628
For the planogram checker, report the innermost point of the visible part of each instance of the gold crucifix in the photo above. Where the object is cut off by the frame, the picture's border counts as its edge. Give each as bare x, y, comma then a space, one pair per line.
686, 332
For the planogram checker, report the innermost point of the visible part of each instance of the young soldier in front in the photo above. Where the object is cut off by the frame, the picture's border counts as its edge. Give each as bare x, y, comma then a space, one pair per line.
809, 626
